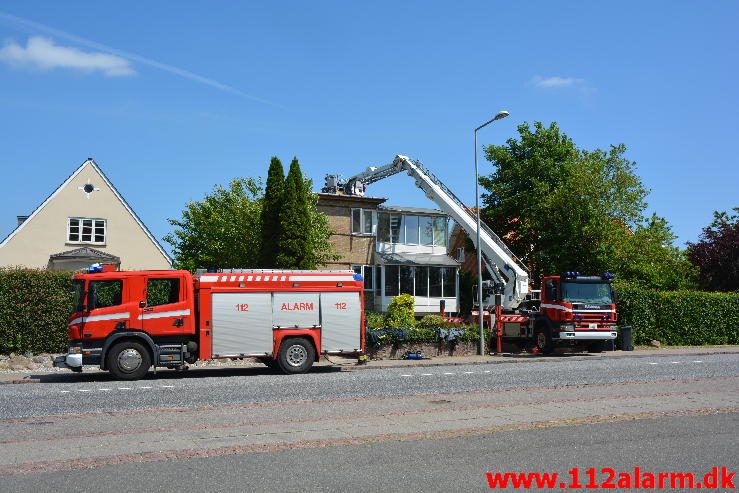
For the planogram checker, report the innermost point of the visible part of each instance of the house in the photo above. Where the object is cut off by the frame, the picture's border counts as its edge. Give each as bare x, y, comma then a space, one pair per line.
85, 220
396, 249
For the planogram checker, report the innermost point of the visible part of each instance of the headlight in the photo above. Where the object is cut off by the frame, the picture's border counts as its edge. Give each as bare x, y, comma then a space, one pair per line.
75, 350
567, 327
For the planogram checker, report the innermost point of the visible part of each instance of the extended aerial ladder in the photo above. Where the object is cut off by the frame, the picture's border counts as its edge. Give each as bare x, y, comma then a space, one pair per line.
504, 267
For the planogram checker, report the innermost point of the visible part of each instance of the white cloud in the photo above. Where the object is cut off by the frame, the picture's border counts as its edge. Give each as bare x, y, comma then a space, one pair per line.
42, 53
556, 81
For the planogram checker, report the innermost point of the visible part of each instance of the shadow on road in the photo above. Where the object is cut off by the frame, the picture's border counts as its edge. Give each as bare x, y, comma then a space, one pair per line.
101, 376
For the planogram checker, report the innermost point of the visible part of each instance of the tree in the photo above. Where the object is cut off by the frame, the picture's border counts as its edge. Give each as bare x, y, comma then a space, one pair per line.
271, 206
222, 230
563, 208
716, 255
225, 229
294, 241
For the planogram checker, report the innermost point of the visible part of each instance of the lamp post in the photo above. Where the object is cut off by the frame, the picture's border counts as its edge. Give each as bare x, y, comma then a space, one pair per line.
499, 116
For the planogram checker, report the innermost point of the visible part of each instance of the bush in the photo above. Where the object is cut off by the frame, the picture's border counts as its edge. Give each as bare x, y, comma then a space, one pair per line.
374, 320
34, 306
400, 313
432, 322
691, 318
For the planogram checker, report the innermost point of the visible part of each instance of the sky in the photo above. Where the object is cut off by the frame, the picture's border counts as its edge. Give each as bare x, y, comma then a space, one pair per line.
173, 98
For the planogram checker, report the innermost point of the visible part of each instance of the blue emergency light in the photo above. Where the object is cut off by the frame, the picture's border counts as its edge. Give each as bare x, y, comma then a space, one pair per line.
358, 277
571, 274
608, 276
97, 267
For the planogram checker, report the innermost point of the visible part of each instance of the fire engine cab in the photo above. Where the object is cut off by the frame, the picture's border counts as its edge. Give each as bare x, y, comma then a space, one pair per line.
127, 322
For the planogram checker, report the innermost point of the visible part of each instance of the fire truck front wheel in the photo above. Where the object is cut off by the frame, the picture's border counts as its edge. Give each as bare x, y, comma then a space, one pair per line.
543, 339
128, 360
296, 355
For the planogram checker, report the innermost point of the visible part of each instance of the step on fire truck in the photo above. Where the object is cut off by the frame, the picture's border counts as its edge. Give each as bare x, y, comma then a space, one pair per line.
572, 309
126, 322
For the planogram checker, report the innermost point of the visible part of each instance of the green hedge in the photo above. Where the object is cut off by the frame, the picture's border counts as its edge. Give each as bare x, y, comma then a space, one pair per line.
34, 306
681, 318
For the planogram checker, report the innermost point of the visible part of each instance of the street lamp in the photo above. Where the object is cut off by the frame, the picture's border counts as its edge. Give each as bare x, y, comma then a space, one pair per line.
499, 116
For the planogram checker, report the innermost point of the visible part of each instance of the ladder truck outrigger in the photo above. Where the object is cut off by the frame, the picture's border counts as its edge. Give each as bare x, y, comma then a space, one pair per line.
569, 309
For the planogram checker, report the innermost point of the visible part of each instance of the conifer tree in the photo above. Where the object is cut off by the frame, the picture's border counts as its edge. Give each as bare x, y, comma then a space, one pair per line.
271, 206
294, 246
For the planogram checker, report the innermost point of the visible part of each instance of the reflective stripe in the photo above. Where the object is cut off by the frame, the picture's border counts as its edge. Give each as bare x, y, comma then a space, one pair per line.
97, 318
173, 313
322, 278
564, 308
208, 278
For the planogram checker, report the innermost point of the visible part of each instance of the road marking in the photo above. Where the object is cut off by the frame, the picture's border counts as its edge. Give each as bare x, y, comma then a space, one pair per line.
675, 362
104, 390
168, 386
124, 388
698, 361
653, 363
406, 375
469, 372
449, 373
83, 390
426, 374
65, 391
146, 387
487, 371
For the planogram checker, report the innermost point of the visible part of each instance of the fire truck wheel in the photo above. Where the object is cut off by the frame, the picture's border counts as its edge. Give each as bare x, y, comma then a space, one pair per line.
296, 355
543, 339
128, 360
596, 347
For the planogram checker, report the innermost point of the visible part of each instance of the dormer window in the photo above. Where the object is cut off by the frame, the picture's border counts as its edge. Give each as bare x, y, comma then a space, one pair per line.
86, 230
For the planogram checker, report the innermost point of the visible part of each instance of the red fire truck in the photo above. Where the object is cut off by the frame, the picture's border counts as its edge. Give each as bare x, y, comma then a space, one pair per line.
126, 322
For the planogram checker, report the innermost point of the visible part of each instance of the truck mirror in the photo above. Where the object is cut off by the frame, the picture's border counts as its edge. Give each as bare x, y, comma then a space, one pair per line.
142, 304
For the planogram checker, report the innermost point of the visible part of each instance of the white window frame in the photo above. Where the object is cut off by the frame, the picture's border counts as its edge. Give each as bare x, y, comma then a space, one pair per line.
363, 269
95, 225
363, 223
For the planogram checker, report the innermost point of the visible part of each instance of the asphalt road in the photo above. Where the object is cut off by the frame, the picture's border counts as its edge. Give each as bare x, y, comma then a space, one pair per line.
686, 444
435, 428
63, 393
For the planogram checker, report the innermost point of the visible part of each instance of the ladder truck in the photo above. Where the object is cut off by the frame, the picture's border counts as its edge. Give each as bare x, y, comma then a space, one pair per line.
572, 309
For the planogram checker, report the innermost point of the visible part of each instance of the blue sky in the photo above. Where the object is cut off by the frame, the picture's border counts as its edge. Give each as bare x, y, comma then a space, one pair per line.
171, 98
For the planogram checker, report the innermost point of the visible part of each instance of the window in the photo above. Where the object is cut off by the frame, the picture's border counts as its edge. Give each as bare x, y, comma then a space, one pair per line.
440, 231
397, 231
83, 230
391, 280
435, 282
406, 279
449, 282
427, 230
162, 291
105, 294
460, 254
411, 229
422, 281
368, 274
364, 221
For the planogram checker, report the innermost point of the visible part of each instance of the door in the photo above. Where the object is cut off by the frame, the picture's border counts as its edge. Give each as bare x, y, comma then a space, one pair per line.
242, 324
108, 309
296, 310
340, 322
167, 310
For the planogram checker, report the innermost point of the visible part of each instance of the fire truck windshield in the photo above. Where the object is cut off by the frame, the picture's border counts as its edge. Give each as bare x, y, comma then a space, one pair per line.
587, 292
78, 293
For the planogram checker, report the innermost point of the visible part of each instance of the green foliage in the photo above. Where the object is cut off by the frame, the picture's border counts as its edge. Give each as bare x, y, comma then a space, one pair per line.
431, 322
294, 241
375, 320
400, 312
271, 206
229, 226
564, 208
34, 307
222, 230
679, 317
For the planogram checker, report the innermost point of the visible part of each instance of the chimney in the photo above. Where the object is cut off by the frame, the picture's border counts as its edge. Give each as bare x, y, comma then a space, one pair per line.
21, 219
